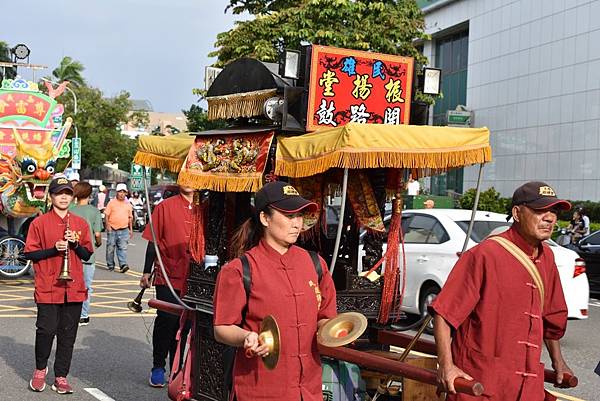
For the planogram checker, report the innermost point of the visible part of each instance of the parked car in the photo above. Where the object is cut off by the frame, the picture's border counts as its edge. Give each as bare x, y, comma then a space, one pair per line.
589, 249
434, 238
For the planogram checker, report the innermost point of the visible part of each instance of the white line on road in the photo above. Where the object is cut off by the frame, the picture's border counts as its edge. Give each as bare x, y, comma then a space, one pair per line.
596, 304
98, 394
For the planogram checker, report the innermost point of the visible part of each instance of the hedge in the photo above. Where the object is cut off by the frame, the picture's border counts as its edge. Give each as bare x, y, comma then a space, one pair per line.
490, 200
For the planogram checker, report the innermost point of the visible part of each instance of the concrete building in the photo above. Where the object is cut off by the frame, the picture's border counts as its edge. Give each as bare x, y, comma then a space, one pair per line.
530, 71
163, 123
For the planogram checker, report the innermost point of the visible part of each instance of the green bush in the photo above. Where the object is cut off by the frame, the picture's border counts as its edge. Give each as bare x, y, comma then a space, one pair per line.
489, 200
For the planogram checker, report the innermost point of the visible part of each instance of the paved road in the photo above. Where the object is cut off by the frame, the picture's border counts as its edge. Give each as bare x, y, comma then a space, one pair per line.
113, 354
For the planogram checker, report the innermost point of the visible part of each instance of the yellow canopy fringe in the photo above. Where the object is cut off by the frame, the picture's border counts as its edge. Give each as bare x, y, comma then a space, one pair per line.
158, 161
248, 104
425, 159
224, 183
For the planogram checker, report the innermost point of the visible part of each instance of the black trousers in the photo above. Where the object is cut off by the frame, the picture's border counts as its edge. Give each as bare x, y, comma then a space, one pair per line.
165, 331
60, 321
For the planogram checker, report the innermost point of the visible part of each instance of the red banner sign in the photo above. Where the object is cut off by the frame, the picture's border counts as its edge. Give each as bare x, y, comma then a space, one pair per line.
32, 106
356, 86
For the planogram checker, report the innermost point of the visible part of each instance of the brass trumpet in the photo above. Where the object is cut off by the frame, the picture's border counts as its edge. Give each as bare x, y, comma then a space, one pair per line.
64, 271
136, 305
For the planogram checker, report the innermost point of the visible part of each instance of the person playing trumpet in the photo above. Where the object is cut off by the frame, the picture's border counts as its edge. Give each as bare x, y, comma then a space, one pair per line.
284, 284
53, 236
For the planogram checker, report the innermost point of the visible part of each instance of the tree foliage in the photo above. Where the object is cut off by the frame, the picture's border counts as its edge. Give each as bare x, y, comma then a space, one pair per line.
98, 122
489, 200
197, 120
69, 70
6, 72
389, 27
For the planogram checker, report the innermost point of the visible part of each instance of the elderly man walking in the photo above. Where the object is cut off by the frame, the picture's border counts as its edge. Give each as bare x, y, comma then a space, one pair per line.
501, 302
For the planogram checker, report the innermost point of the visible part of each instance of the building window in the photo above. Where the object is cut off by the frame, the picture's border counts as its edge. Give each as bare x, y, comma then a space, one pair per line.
452, 53
451, 56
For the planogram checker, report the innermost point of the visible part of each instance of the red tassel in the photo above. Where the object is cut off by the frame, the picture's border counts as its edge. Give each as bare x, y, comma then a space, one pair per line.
196, 243
393, 282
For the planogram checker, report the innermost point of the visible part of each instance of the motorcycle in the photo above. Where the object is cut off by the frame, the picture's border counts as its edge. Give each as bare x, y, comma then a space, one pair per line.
139, 218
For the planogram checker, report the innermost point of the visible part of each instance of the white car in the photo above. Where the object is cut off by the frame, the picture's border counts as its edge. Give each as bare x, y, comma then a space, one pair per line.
433, 239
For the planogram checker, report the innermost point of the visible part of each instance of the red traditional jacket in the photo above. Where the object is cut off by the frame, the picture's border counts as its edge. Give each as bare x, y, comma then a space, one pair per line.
172, 219
492, 302
43, 233
287, 287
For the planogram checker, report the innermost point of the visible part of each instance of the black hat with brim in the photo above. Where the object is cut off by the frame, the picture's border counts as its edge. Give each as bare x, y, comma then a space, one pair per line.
538, 195
283, 197
60, 184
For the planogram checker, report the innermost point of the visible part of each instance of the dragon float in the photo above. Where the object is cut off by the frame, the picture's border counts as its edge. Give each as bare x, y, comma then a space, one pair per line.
32, 134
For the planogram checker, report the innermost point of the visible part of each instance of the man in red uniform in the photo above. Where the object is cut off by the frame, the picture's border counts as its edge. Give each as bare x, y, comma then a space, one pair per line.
58, 301
172, 220
284, 284
494, 313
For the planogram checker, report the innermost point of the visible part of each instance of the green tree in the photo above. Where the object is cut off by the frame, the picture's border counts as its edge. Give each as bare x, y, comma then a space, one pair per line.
6, 72
69, 70
99, 122
197, 120
489, 200
389, 26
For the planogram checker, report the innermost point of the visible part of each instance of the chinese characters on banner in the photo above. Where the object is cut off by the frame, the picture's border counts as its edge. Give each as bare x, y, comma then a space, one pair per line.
36, 117
356, 86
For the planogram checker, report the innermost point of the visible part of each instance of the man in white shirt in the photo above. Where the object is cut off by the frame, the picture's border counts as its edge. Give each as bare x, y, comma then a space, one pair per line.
413, 187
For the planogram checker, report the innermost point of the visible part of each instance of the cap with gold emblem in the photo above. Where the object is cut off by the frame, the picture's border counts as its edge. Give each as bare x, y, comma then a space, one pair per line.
59, 184
538, 195
283, 197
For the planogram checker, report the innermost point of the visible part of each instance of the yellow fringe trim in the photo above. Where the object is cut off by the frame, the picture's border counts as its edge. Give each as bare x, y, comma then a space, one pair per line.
160, 162
224, 183
374, 159
248, 104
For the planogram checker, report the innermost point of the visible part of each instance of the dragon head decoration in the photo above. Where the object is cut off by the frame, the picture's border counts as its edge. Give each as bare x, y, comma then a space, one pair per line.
25, 184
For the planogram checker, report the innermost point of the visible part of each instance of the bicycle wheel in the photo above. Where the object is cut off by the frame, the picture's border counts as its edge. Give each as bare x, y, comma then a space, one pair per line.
12, 263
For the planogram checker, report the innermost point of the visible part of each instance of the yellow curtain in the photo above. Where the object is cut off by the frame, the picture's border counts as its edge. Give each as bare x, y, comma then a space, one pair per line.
163, 152
380, 145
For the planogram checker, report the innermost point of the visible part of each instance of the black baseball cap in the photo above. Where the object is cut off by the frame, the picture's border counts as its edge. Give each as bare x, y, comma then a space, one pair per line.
281, 196
60, 184
538, 195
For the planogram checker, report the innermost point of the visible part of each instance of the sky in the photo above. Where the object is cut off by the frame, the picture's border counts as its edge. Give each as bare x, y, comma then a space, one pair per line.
154, 49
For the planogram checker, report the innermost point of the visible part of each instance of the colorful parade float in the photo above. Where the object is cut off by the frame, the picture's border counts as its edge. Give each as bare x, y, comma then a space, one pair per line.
32, 135
339, 131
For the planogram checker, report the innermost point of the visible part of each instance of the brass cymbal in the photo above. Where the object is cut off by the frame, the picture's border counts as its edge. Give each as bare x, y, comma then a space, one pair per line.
269, 335
342, 329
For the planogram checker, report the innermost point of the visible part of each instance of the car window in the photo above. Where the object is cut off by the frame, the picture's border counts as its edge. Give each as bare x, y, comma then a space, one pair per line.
481, 229
593, 239
425, 230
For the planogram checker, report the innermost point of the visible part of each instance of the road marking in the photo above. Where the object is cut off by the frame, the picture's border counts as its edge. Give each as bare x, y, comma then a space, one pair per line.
596, 304
98, 394
564, 396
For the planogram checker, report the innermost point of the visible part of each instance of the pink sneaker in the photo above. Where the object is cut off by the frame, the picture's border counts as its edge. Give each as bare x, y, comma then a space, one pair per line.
61, 386
38, 382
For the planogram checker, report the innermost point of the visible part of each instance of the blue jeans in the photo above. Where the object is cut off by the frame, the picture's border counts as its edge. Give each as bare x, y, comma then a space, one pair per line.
88, 277
118, 239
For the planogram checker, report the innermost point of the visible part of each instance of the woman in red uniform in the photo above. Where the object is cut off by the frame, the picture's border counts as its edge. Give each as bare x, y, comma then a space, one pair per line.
284, 284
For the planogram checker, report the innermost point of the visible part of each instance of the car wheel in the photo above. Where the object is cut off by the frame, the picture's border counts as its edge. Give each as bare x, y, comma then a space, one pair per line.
428, 294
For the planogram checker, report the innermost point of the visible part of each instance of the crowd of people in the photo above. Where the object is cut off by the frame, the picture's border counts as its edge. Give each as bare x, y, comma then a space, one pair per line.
501, 302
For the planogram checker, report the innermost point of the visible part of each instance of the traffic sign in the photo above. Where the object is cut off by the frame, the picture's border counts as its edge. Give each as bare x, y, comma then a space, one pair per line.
76, 153
458, 118
137, 171
136, 183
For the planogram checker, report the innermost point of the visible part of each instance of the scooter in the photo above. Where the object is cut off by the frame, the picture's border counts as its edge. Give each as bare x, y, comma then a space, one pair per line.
565, 237
139, 218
